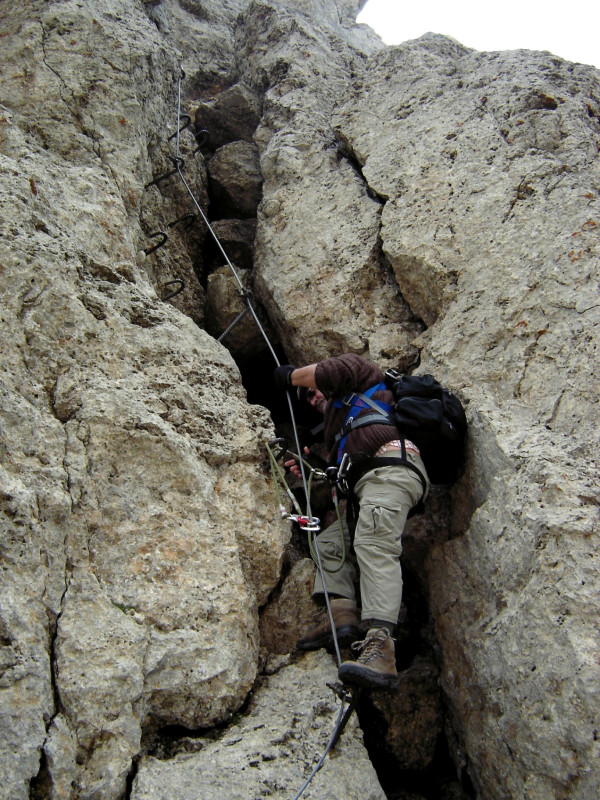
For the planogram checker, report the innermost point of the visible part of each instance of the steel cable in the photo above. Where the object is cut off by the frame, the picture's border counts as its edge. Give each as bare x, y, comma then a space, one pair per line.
178, 163
330, 744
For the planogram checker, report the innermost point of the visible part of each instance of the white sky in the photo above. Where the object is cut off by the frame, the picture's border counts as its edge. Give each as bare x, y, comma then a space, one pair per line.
569, 28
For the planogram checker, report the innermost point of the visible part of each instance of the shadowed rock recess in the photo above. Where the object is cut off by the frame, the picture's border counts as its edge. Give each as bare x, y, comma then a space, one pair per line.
432, 207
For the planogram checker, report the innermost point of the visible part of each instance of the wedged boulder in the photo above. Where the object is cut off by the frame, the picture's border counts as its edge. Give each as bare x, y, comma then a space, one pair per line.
224, 305
273, 748
232, 116
235, 180
237, 239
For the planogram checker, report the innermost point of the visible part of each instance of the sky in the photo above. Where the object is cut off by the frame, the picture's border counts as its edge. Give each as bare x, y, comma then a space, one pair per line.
569, 29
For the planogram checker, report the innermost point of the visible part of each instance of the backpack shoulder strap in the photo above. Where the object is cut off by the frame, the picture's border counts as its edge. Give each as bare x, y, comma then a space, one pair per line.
380, 408
359, 401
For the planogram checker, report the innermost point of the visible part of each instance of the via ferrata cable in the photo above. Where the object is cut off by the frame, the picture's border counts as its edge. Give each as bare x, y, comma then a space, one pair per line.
178, 161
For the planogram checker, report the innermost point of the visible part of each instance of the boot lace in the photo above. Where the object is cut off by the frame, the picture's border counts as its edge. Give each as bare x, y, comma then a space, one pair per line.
371, 647
318, 615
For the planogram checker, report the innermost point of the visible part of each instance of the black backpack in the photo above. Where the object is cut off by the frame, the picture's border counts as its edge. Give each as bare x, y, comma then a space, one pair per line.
433, 418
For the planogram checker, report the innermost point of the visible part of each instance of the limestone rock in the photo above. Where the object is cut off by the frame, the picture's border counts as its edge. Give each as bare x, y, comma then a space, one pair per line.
317, 247
129, 600
230, 117
202, 35
140, 533
288, 615
273, 747
248, 498
173, 230
225, 304
408, 723
235, 180
484, 162
99, 656
236, 237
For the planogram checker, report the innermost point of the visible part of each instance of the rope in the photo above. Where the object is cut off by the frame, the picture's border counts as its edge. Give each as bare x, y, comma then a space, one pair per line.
315, 546
279, 481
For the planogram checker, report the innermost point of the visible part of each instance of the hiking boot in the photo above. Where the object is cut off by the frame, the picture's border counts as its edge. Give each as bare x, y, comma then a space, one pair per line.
345, 618
376, 665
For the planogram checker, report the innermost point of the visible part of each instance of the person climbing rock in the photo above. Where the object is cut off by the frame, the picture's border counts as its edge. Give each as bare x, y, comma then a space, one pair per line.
385, 492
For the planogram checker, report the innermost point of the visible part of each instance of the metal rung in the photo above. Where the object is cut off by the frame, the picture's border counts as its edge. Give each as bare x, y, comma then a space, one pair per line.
178, 161
175, 292
149, 250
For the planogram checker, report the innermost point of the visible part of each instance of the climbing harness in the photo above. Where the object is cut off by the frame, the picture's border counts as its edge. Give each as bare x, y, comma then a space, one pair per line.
307, 522
380, 415
356, 402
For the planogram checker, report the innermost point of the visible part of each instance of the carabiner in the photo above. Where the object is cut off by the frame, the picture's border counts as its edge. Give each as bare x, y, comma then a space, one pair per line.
308, 524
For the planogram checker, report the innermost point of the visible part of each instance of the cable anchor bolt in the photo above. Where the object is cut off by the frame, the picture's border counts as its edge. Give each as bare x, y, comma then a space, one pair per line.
201, 138
342, 690
188, 219
246, 294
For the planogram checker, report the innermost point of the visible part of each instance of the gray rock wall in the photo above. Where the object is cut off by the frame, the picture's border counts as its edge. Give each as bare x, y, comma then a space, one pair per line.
424, 204
489, 167
132, 465
272, 748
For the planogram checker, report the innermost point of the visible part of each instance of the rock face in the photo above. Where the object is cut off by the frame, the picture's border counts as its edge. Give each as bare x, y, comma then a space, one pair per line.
131, 461
491, 176
140, 535
272, 749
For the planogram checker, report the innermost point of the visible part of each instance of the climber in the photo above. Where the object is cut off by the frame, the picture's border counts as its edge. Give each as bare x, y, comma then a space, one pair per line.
385, 495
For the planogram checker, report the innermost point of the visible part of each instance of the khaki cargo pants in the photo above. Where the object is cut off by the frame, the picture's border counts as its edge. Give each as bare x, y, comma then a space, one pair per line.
386, 494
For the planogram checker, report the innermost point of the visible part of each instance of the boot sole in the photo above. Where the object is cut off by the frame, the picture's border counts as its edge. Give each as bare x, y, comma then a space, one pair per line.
356, 675
345, 636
